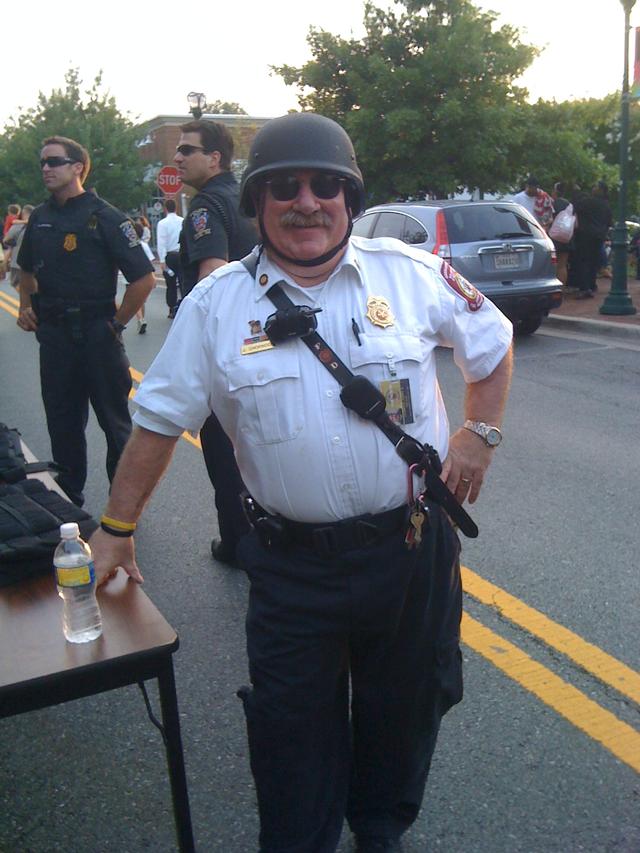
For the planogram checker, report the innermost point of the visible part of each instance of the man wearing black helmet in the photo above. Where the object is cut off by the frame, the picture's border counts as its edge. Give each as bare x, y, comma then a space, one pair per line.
355, 597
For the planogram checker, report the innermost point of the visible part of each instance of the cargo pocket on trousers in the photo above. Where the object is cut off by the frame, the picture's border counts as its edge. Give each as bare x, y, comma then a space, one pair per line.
449, 674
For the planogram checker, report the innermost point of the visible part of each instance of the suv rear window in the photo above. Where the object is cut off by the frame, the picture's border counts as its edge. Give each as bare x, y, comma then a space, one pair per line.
476, 223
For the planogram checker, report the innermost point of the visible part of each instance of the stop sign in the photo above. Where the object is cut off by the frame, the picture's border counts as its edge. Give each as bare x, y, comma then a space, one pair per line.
169, 180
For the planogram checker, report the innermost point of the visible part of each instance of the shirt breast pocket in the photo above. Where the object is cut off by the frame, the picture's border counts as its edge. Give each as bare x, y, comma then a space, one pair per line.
394, 364
265, 391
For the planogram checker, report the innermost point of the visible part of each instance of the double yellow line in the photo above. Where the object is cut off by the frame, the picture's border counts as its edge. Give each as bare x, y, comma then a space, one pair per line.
618, 737
621, 739
9, 303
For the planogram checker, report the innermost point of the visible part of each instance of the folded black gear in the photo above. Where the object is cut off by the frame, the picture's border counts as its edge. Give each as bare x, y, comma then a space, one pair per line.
30, 519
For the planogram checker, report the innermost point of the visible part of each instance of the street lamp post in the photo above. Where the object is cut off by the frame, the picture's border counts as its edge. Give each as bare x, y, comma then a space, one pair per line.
618, 300
197, 102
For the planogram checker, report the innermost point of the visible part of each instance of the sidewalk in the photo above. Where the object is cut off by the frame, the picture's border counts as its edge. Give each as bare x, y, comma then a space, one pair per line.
584, 314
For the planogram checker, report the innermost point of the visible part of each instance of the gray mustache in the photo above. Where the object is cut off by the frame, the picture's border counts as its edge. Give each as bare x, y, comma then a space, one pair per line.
306, 220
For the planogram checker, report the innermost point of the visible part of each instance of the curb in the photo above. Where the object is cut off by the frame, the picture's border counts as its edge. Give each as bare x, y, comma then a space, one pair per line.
628, 331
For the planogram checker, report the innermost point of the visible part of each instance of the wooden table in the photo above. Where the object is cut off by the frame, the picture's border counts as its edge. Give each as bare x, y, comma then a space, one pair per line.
39, 668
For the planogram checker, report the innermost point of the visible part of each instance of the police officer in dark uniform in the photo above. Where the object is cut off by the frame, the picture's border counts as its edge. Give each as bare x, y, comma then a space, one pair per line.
72, 249
214, 232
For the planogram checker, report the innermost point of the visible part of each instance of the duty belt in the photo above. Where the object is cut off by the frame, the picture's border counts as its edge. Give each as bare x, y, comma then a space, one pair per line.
327, 539
58, 310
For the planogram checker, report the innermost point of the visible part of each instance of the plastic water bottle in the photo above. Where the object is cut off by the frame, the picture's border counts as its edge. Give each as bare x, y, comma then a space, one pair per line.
76, 580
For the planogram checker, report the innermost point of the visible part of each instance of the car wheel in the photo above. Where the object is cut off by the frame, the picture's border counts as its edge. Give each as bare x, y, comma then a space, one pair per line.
528, 326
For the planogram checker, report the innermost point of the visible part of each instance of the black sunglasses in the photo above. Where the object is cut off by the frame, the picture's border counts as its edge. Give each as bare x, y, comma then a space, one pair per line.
53, 162
188, 150
323, 185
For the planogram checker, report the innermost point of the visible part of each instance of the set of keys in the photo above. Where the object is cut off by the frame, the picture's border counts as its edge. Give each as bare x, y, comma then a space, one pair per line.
418, 513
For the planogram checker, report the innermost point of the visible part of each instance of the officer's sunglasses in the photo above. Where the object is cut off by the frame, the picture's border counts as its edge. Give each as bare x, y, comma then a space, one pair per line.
285, 187
188, 150
54, 162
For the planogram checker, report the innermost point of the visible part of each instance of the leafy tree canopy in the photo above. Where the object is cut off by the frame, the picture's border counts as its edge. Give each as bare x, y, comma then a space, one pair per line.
91, 118
429, 99
427, 95
229, 108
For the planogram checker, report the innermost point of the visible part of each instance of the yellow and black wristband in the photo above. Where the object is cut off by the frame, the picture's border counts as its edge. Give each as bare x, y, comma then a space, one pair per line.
114, 527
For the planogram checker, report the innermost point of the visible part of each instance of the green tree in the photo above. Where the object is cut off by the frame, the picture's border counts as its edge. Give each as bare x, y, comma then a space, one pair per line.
91, 118
229, 108
427, 95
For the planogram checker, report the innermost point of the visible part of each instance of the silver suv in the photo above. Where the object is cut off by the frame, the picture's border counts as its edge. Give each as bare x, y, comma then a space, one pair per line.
496, 245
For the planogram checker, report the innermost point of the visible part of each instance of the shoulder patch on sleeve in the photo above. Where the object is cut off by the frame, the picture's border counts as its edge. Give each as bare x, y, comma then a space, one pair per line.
129, 233
200, 222
462, 287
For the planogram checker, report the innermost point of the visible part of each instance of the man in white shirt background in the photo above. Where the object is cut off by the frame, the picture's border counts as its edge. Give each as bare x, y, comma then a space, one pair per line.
168, 238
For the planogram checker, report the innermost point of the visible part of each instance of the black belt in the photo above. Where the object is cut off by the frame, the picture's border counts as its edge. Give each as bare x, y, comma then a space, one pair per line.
336, 537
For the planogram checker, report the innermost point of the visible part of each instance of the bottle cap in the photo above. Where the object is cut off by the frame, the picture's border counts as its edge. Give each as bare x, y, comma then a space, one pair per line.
70, 530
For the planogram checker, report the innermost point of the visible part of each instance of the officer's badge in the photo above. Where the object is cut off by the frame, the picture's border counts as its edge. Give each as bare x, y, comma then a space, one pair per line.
462, 287
70, 242
200, 222
379, 312
129, 233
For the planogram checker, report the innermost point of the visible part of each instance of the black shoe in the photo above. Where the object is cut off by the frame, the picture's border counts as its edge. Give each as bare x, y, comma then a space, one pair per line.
584, 294
142, 328
375, 844
222, 553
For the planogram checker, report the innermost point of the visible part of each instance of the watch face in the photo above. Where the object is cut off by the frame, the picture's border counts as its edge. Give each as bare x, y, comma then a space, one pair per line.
494, 437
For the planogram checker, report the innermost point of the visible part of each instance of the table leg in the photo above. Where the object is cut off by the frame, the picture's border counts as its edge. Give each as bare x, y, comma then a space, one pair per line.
175, 758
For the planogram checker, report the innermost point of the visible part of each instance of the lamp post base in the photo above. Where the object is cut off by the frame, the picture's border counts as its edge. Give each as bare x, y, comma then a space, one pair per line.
618, 303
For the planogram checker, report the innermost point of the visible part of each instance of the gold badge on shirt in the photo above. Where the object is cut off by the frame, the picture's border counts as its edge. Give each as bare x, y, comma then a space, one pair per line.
379, 312
70, 243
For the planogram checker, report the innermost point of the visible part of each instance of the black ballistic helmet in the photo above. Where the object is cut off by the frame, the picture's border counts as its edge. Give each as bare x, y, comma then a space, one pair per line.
302, 141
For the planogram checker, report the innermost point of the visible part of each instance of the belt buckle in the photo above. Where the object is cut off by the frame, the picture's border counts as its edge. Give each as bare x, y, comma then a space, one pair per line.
325, 541
366, 533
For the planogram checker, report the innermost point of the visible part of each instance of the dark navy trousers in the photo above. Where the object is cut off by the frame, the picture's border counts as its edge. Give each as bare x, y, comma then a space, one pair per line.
226, 481
79, 366
353, 662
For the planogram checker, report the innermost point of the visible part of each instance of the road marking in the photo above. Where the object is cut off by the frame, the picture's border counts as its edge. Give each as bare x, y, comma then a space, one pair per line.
138, 377
9, 304
592, 659
602, 726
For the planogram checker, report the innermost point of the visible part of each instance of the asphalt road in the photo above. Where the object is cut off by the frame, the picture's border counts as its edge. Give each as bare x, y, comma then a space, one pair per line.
543, 754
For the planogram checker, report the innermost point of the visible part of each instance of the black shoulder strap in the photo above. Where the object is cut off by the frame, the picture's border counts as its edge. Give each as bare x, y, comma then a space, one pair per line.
362, 397
218, 206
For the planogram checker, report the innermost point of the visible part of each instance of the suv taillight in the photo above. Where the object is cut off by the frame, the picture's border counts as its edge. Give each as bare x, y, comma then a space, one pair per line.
554, 258
442, 248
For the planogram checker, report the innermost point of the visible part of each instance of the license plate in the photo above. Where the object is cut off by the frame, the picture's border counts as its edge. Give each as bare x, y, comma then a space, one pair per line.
507, 261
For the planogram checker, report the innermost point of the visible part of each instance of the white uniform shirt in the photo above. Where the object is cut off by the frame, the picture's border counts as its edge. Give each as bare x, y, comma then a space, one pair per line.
300, 451
168, 235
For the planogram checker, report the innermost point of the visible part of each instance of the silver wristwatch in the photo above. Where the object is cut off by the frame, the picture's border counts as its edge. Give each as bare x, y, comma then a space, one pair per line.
489, 434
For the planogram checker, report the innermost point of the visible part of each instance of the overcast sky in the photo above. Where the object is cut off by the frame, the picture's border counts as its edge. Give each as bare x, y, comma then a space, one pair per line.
153, 54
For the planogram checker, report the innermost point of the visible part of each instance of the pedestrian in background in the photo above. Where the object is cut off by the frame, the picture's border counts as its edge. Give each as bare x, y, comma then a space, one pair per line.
213, 233
72, 249
563, 250
140, 319
594, 221
12, 242
13, 213
168, 243
355, 601
536, 201
146, 228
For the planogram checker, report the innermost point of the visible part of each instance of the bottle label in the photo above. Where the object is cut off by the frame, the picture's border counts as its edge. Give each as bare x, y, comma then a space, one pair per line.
77, 576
